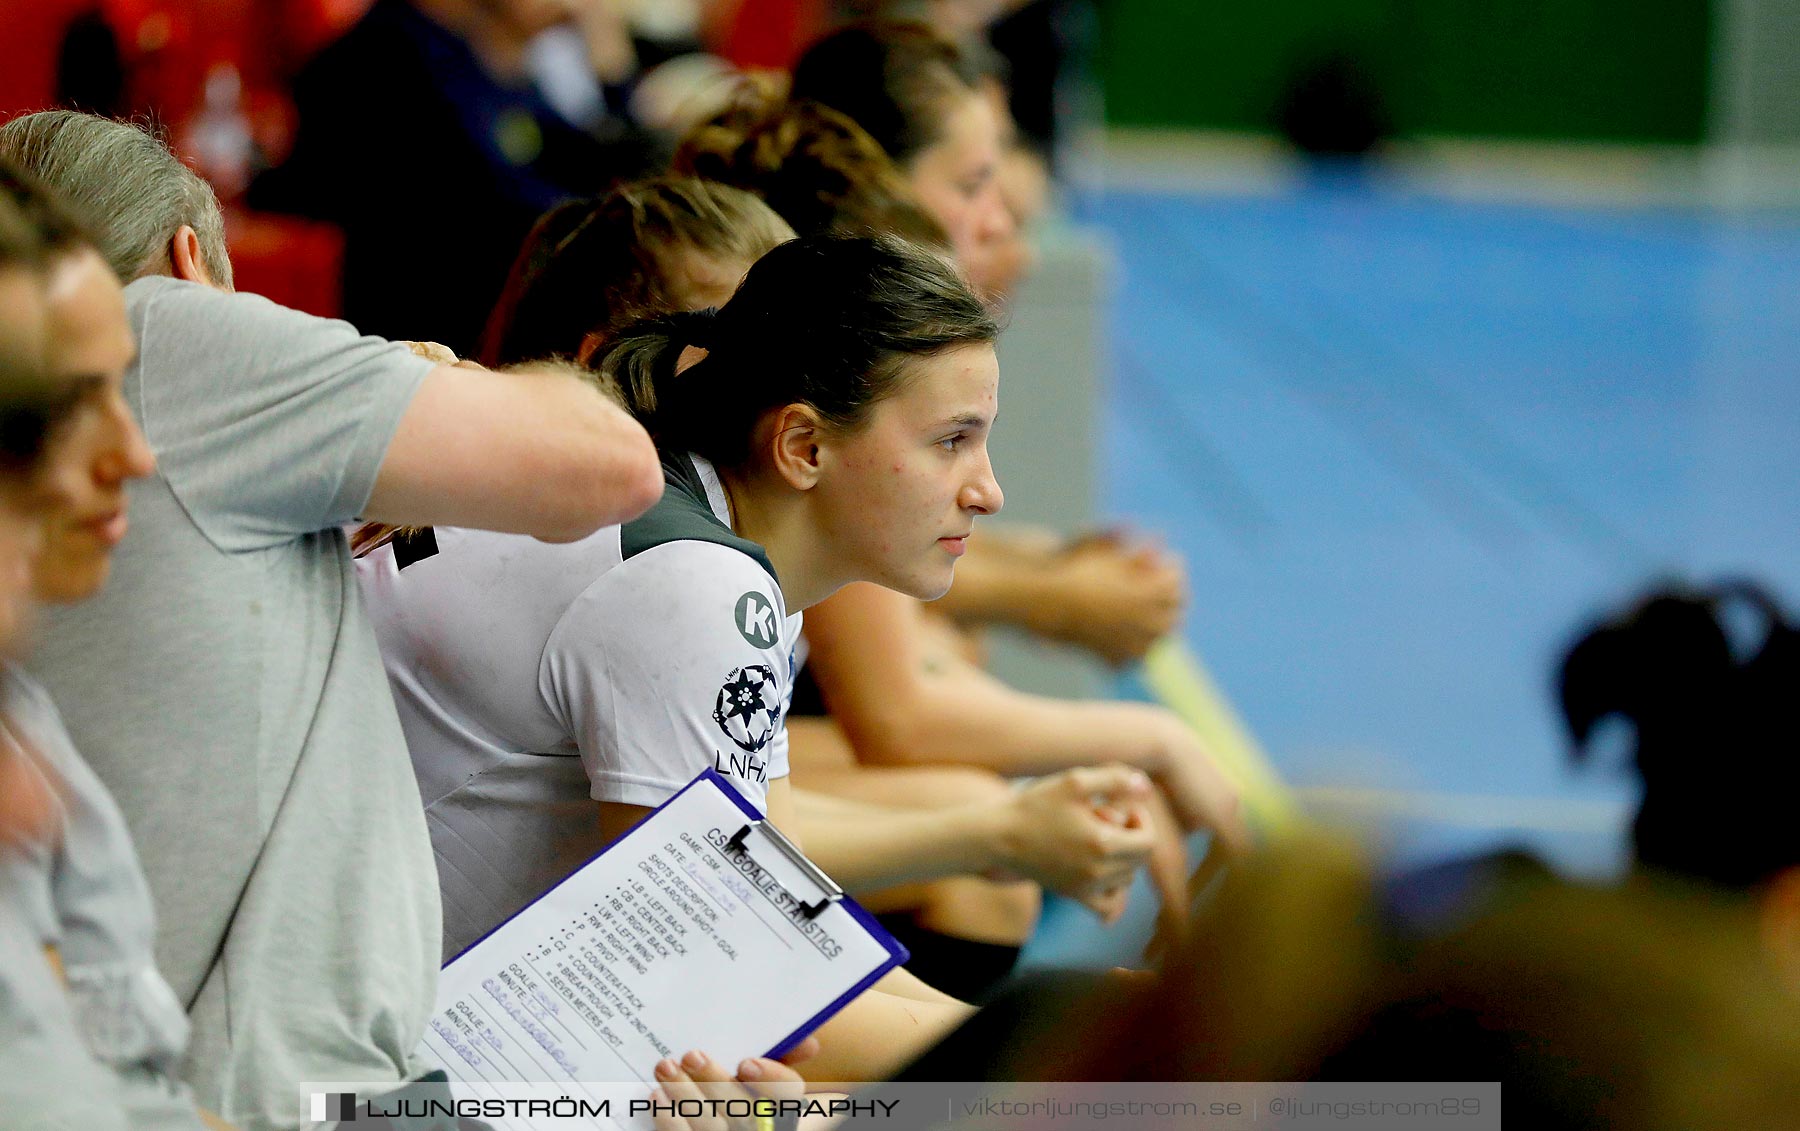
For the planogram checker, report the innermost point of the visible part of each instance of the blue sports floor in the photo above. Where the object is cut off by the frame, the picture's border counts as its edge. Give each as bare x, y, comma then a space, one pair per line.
1410, 445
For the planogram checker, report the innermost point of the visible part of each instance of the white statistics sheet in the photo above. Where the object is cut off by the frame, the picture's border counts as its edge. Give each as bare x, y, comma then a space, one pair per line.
694, 930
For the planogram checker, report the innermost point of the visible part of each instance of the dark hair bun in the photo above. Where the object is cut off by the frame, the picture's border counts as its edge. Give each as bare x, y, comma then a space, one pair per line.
1715, 734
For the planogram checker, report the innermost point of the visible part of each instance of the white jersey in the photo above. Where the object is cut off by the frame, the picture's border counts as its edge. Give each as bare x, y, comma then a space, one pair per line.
533, 679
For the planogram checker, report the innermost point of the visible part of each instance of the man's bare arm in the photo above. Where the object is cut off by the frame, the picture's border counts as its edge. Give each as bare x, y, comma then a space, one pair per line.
539, 451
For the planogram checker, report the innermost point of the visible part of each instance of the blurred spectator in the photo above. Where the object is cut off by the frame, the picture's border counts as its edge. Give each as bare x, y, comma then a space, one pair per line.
924, 102
1705, 680
1042, 42
1333, 107
1029, 45
26, 408
436, 131
1640, 1009
90, 70
79, 988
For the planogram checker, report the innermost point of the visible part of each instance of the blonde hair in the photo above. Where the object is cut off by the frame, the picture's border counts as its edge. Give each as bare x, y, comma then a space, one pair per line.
812, 164
589, 266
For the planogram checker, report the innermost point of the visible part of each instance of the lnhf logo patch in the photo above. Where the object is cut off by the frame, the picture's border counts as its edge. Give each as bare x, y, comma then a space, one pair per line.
749, 707
755, 619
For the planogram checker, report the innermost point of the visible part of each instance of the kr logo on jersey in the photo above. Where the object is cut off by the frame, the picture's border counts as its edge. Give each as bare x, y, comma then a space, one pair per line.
749, 706
756, 620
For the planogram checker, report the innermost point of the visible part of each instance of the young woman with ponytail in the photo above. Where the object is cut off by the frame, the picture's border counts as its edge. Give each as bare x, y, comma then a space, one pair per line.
903, 696
957, 844
826, 425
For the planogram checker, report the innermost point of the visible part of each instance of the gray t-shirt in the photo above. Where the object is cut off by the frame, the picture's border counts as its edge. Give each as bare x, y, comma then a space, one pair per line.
81, 890
227, 689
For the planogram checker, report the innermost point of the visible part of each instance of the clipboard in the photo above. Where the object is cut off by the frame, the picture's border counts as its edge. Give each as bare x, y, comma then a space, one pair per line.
768, 866
898, 955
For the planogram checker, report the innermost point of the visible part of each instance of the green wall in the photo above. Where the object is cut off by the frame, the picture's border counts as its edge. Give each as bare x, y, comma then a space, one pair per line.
1628, 70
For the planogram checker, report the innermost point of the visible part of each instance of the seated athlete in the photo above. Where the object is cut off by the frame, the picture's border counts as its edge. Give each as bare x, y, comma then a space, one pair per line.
678, 243
935, 111
826, 425
905, 693
921, 103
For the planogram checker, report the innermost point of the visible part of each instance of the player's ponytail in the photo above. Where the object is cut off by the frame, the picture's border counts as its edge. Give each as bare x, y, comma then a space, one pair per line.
644, 364
825, 321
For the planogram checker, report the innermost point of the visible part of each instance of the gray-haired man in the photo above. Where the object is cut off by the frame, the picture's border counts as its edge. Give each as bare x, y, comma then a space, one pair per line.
227, 686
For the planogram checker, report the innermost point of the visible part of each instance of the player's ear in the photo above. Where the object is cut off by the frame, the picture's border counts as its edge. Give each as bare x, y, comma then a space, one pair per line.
794, 440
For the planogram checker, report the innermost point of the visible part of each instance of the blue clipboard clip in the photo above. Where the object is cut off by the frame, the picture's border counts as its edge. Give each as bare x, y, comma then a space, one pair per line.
832, 893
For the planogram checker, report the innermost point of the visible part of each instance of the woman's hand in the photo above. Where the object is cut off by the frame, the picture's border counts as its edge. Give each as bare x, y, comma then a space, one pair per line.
442, 354
1082, 832
697, 1076
1115, 597
1169, 875
432, 351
